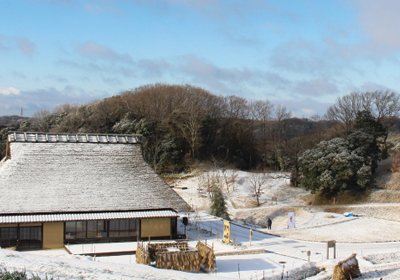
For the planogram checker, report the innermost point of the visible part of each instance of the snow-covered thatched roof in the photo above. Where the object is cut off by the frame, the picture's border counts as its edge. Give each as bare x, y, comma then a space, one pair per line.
45, 174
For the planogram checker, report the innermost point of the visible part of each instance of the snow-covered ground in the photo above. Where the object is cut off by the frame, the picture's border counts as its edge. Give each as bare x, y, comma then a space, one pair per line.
372, 235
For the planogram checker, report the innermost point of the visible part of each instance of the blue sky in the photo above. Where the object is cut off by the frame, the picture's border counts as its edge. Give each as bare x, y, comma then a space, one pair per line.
301, 54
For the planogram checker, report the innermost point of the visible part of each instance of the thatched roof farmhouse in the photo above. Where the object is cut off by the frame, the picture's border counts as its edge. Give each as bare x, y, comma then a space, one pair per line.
59, 188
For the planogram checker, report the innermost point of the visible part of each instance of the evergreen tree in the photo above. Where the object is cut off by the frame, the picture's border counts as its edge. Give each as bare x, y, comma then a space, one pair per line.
365, 121
337, 165
218, 207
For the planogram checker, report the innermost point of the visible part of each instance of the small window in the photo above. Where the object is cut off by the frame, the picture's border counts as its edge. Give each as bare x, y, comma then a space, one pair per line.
70, 226
81, 229
91, 230
133, 227
70, 229
30, 233
8, 233
114, 228
24, 233
132, 224
36, 233
101, 229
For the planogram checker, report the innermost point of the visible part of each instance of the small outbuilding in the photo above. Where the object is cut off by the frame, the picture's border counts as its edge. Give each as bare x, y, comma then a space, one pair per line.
57, 189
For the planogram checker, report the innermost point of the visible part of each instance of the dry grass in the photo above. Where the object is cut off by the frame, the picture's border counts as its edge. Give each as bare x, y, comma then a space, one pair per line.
347, 197
338, 209
385, 196
308, 199
394, 182
242, 202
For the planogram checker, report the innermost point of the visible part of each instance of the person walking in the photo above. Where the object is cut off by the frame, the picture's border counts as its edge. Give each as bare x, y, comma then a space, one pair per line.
269, 223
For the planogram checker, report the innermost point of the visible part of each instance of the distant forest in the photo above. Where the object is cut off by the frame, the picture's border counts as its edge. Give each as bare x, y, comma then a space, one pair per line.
184, 125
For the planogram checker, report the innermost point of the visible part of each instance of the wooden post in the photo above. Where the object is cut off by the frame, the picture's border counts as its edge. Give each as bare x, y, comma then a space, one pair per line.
251, 233
8, 154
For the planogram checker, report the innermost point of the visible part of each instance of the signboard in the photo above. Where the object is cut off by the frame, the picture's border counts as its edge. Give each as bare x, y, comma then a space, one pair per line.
291, 219
227, 232
331, 244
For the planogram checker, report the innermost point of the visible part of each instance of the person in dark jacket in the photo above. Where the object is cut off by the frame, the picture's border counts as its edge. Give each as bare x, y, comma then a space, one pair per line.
269, 223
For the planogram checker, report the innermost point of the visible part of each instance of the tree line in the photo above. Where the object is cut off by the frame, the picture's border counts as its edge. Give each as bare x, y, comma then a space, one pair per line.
183, 125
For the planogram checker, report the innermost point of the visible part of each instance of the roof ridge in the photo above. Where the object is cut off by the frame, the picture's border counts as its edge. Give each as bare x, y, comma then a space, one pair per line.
45, 137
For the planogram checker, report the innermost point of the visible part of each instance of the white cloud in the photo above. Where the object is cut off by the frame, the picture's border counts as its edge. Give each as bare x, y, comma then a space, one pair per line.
316, 87
380, 20
9, 91
308, 112
97, 51
26, 46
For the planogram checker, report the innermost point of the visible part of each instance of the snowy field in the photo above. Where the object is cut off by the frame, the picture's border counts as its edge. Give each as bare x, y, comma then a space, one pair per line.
372, 234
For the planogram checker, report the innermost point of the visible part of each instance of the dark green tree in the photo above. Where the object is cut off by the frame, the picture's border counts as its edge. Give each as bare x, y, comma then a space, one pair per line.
337, 165
218, 206
367, 123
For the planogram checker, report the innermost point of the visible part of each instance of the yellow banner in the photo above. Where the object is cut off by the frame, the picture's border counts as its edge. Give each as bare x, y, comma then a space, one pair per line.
227, 232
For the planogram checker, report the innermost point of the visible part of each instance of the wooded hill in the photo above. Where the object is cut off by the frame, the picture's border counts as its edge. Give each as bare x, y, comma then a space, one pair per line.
183, 125
7, 120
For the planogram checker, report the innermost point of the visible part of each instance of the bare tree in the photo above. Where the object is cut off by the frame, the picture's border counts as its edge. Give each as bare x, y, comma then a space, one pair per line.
210, 180
281, 133
40, 120
381, 104
344, 111
387, 110
229, 176
258, 182
191, 114
262, 112
281, 117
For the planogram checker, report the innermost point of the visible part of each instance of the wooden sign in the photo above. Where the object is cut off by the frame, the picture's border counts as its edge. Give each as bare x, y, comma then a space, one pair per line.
227, 232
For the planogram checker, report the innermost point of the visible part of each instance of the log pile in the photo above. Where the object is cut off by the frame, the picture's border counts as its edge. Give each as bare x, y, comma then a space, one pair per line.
155, 248
142, 255
179, 259
183, 261
347, 269
207, 256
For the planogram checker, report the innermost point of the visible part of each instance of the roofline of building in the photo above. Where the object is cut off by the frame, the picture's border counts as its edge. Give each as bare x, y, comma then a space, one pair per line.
94, 138
66, 133
83, 211
86, 216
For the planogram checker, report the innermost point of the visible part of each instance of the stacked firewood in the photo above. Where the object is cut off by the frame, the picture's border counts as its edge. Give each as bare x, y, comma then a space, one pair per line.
183, 261
155, 248
142, 255
207, 256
